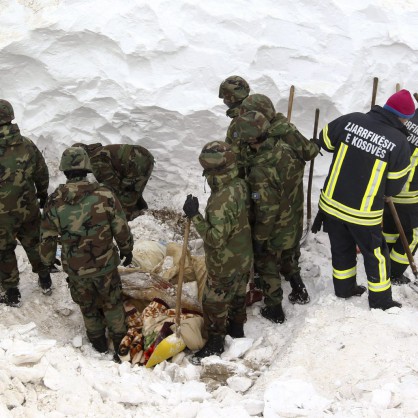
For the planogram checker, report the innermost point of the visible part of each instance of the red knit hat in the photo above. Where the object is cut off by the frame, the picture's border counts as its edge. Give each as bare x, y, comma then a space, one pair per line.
401, 104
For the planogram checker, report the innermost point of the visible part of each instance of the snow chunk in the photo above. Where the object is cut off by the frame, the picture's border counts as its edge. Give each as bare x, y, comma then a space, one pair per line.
293, 398
21, 352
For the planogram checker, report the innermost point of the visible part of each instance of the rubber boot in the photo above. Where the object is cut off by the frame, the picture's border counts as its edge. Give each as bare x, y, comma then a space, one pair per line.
214, 346
45, 283
12, 297
235, 329
299, 294
398, 281
274, 313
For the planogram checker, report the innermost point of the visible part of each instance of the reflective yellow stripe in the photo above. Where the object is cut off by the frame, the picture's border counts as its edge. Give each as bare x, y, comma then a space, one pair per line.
348, 218
402, 199
379, 287
373, 186
326, 138
403, 258
336, 170
344, 274
393, 175
382, 264
390, 238
355, 212
398, 258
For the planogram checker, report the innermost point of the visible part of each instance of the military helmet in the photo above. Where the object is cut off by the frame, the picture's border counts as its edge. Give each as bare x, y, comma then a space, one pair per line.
6, 112
75, 158
217, 157
234, 89
259, 103
251, 126
89, 148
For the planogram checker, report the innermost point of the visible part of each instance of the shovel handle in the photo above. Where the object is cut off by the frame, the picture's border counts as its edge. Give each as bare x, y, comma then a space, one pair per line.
311, 169
290, 104
181, 274
402, 235
374, 92
416, 96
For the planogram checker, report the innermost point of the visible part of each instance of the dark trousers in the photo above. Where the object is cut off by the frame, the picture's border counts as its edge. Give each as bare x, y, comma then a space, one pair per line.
343, 238
398, 258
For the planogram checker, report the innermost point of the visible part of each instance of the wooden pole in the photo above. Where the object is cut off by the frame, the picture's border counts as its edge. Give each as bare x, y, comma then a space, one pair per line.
311, 168
290, 104
402, 236
374, 92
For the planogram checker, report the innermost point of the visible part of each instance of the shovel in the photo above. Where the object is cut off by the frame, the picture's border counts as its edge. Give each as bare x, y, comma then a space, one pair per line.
173, 344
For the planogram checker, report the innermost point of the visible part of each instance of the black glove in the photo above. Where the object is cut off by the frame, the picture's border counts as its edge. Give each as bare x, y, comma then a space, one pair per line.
191, 206
259, 247
318, 221
42, 199
127, 257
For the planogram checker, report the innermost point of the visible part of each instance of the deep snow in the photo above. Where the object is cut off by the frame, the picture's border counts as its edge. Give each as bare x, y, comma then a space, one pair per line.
148, 72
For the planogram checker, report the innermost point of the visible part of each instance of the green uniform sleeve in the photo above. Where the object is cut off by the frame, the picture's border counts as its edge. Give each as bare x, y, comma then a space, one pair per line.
49, 234
42, 174
120, 228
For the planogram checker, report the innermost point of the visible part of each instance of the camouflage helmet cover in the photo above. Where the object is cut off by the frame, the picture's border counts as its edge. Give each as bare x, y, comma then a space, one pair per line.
75, 158
259, 103
217, 157
251, 126
89, 148
234, 89
6, 112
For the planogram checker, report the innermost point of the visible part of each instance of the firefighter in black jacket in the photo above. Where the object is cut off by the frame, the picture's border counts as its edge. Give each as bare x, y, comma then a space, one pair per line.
406, 203
371, 160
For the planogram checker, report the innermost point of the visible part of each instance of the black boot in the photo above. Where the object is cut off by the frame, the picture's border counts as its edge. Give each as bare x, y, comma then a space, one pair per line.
116, 345
12, 297
357, 290
99, 344
214, 346
383, 300
274, 313
299, 294
141, 204
398, 281
235, 329
45, 283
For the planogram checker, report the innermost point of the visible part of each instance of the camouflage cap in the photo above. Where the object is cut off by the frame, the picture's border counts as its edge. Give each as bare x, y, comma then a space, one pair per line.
217, 157
251, 126
75, 158
259, 103
89, 148
234, 89
6, 112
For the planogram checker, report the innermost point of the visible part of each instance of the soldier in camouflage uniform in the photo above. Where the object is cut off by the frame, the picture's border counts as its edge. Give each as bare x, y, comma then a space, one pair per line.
124, 169
23, 180
233, 91
226, 235
87, 216
275, 175
305, 150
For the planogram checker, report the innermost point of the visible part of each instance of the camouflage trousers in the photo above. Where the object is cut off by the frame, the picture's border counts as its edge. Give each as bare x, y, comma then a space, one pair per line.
27, 232
269, 265
224, 300
100, 302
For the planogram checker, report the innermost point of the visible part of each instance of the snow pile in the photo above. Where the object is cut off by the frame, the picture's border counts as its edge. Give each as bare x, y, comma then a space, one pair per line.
148, 72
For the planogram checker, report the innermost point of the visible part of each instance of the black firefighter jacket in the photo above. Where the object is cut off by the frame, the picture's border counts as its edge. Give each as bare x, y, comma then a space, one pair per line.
371, 160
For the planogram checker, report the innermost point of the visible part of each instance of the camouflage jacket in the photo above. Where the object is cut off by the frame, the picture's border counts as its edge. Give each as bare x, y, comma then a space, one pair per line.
23, 174
275, 179
87, 217
125, 169
225, 229
236, 146
280, 128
